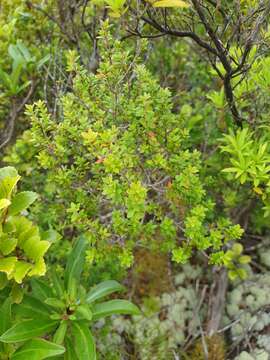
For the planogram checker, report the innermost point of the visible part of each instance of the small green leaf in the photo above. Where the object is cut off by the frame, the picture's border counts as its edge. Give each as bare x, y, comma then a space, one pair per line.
244, 259
26, 330
84, 342
103, 289
21, 201
37, 349
112, 307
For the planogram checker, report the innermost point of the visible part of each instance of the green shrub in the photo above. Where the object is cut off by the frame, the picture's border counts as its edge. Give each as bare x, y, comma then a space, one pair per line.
118, 165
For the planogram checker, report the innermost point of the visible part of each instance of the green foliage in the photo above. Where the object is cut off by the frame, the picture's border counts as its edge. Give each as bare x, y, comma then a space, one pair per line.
21, 247
21, 61
64, 310
90, 161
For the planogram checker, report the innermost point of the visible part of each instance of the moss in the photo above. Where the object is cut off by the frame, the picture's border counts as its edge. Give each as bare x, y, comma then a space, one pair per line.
215, 347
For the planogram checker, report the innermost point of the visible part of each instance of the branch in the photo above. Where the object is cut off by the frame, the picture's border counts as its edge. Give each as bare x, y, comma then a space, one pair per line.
14, 112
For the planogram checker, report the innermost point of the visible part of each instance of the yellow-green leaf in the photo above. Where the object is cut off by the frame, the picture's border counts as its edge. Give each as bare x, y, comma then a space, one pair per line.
7, 185
7, 245
7, 265
4, 203
21, 270
245, 259
39, 268
34, 248
171, 3
21, 201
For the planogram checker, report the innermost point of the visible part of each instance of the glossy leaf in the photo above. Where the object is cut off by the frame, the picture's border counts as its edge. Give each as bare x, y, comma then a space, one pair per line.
103, 289
112, 307
38, 349
31, 308
40, 289
28, 329
5, 315
84, 342
7, 265
75, 261
21, 201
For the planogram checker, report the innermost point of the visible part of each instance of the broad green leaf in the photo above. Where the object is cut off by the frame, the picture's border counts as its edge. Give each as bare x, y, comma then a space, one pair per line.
37, 349
70, 353
83, 341
56, 303
4, 203
171, 3
112, 307
21, 201
31, 308
21, 270
40, 289
103, 289
84, 312
7, 265
75, 262
60, 333
58, 285
5, 315
26, 330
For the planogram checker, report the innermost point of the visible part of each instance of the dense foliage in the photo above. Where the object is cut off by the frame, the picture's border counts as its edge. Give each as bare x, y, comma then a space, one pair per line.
143, 128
